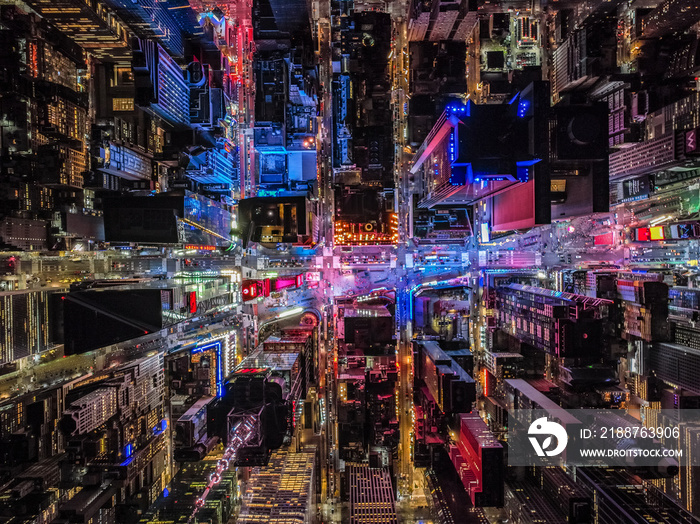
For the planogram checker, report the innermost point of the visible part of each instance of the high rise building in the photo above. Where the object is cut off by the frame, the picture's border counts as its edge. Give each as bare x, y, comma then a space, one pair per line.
461, 162
123, 312
371, 494
90, 411
282, 490
26, 324
95, 27
618, 492
562, 324
45, 106
24, 233
160, 83
668, 17
152, 20
440, 20
478, 459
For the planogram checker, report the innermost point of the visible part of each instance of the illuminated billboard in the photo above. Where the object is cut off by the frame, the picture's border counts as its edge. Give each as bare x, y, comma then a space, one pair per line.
656, 233
109, 314
167, 218
642, 234
252, 289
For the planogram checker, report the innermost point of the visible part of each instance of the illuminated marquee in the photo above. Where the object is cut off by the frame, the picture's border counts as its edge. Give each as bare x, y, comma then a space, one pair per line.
199, 248
252, 289
366, 234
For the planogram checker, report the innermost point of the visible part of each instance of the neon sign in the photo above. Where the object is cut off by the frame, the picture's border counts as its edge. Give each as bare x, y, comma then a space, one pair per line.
199, 248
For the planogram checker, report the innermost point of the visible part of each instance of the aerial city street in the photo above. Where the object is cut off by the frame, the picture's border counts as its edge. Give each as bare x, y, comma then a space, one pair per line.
318, 261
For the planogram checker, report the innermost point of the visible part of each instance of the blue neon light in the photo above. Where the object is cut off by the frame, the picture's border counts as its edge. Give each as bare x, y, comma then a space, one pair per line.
207, 347
129, 450
523, 106
525, 163
514, 98
460, 109
522, 169
470, 174
160, 428
219, 367
523, 174
219, 373
166, 492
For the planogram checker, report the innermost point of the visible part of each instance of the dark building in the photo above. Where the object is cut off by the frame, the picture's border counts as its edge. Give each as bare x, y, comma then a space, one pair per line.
167, 218
122, 312
449, 385
277, 220
463, 161
44, 104
368, 327
437, 78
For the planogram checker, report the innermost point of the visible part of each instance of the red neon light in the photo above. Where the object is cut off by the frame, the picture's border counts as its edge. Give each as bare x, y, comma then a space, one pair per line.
643, 234
283, 283
486, 391
252, 370
251, 289
606, 239
193, 302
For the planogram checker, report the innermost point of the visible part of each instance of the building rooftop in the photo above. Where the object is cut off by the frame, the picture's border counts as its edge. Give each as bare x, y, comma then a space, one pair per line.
273, 360
281, 491
479, 431
368, 311
371, 495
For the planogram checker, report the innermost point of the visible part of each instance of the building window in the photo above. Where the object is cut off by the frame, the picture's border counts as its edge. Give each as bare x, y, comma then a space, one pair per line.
122, 104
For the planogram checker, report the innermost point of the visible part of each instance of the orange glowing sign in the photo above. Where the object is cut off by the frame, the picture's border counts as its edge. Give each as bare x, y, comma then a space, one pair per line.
200, 248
